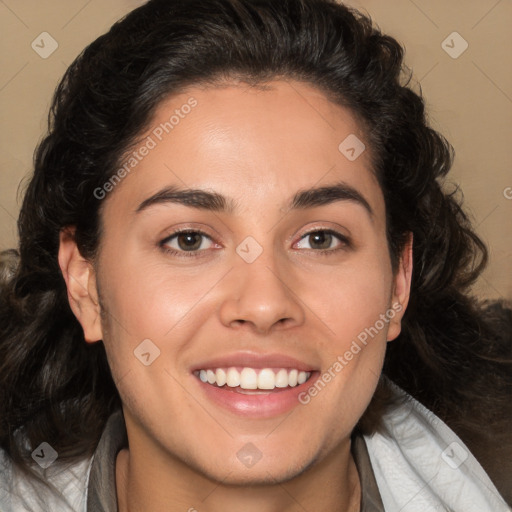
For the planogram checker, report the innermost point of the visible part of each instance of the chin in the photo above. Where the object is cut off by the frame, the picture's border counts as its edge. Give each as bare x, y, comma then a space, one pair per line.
260, 474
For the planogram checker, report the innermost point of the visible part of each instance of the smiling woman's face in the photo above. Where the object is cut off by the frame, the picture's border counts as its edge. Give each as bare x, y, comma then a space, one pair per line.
263, 282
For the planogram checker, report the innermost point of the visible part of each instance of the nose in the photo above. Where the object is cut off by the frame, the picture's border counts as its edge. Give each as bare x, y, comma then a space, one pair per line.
261, 295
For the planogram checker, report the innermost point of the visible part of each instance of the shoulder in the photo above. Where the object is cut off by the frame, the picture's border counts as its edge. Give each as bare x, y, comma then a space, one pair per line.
421, 464
59, 486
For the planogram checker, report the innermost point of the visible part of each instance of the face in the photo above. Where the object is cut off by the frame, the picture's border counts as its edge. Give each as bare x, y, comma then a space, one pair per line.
280, 280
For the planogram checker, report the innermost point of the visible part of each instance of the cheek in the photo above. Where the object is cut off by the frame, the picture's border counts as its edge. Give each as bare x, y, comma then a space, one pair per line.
356, 313
152, 302
351, 298
148, 312
152, 299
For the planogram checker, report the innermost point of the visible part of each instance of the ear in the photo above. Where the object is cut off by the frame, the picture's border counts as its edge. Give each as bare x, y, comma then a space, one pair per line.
401, 289
80, 280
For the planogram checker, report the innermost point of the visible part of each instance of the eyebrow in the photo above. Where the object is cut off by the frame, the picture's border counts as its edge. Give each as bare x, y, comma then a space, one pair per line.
213, 201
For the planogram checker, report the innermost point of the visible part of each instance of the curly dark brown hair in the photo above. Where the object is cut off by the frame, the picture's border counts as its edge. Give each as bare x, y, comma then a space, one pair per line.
453, 354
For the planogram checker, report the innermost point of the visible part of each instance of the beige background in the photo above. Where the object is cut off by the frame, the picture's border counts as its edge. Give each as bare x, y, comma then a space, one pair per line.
469, 98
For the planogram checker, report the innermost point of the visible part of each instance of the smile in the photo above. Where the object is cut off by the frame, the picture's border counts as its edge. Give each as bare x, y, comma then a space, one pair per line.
253, 378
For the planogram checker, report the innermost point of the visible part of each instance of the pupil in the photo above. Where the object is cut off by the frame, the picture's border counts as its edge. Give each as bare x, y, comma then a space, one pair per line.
321, 237
188, 237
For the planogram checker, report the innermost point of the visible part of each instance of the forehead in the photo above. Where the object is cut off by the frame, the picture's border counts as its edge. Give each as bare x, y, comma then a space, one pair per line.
250, 144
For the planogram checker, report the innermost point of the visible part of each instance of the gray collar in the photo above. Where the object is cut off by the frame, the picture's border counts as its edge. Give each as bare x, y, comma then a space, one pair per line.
101, 493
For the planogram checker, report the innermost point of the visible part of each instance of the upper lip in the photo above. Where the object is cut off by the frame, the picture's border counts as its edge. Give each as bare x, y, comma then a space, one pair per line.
254, 360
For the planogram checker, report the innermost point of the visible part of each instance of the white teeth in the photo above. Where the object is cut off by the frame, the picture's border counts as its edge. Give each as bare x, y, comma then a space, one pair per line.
232, 378
210, 376
282, 379
250, 378
266, 379
220, 376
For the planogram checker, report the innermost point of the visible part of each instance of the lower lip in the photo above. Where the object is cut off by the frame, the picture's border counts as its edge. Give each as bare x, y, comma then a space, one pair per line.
262, 405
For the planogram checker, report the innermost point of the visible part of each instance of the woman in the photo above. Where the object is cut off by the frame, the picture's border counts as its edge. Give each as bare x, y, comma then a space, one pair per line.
240, 285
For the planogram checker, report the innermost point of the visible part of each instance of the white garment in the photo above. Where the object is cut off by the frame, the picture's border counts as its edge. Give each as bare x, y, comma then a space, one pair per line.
423, 466
21, 494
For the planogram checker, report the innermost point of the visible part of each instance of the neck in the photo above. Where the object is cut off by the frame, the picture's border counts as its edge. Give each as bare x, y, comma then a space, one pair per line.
147, 482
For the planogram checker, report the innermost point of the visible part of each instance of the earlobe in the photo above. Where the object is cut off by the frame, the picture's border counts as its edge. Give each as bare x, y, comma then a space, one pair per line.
401, 289
80, 279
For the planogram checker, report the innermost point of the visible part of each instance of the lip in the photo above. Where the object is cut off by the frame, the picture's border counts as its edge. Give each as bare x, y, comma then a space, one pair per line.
254, 360
260, 405
265, 404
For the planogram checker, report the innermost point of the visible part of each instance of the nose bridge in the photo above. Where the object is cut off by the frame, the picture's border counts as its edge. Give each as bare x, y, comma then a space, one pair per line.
261, 292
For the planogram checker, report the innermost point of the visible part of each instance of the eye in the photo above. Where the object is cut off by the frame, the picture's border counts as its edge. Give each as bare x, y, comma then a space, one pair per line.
321, 240
187, 241
192, 242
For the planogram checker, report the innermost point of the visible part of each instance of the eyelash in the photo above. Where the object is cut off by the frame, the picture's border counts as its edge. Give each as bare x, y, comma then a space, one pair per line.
323, 252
